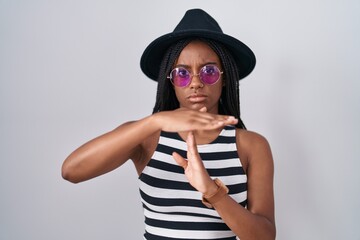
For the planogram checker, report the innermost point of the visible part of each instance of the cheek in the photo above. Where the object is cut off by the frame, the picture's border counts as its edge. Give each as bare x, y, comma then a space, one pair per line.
178, 93
218, 89
218, 93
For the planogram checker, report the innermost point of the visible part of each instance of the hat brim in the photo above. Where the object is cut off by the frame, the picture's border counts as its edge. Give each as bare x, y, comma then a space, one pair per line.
153, 54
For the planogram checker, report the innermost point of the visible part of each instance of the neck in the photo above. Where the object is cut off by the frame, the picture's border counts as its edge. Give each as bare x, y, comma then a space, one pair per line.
203, 136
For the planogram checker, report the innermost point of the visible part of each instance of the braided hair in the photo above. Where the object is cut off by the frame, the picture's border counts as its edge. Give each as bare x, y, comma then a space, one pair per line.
229, 103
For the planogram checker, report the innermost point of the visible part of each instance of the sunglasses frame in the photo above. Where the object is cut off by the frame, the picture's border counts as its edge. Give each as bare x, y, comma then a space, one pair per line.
192, 75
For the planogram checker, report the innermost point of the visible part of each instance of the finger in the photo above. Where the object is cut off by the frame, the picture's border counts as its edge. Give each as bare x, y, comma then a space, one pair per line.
203, 109
226, 120
191, 145
231, 120
180, 160
215, 117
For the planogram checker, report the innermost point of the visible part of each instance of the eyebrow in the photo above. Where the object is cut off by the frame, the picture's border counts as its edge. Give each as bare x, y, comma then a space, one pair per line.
202, 65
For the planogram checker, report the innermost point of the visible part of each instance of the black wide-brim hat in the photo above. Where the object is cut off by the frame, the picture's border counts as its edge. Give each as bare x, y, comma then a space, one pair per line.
196, 23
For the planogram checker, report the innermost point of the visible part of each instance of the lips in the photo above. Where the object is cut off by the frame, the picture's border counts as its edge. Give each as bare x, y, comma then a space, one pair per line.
196, 97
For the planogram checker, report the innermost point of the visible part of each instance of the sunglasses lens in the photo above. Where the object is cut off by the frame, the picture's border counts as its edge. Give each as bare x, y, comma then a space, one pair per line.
210, 74
180, 77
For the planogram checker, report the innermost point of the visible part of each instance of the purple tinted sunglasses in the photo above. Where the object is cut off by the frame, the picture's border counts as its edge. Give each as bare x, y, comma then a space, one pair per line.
181, 77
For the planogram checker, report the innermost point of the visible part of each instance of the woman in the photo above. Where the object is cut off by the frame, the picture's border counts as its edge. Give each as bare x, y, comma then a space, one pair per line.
202, 175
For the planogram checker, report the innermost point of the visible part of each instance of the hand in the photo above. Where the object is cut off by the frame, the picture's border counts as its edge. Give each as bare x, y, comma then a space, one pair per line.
194, 168
182, 119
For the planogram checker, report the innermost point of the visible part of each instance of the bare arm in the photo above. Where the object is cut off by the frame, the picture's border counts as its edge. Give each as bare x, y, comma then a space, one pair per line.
108, 151
257, 221
111, 150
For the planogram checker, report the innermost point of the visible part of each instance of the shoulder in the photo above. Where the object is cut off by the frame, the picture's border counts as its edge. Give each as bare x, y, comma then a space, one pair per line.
253, 148
250, 139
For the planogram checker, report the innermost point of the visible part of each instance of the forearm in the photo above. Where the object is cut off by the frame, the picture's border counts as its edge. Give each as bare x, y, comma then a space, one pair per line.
112, 149
256, 222
107, 151
245, 224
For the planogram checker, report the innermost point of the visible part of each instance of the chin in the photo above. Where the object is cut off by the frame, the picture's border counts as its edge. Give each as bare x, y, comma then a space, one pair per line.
198, 106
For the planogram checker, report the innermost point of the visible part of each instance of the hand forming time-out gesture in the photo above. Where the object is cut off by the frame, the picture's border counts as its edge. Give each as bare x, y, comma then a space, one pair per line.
182, 119
194, 168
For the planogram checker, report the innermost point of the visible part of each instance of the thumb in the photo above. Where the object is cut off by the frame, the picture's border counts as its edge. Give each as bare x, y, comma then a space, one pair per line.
203, 109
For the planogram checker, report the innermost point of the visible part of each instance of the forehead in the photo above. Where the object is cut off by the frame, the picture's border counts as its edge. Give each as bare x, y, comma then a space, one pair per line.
198, 52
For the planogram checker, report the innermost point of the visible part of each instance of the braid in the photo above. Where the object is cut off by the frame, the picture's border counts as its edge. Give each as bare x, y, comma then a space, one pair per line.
230, 97
165, 96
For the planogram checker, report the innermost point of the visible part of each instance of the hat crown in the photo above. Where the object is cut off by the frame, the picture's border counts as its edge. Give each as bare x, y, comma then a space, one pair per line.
197, 19
196, 23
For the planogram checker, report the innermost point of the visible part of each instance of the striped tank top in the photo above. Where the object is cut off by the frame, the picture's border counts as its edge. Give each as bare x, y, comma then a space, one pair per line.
172, 207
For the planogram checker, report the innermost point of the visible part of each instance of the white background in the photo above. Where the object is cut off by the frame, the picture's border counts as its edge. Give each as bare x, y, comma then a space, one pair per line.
69, 71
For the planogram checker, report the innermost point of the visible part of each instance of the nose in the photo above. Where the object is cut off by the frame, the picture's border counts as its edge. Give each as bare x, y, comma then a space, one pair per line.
196, 82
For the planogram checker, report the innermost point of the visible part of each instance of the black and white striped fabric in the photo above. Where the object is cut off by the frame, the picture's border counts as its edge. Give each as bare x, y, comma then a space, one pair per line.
172, 207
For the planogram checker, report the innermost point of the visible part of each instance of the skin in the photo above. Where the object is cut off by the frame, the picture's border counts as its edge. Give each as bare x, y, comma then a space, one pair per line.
198, 122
